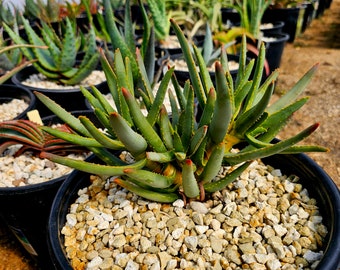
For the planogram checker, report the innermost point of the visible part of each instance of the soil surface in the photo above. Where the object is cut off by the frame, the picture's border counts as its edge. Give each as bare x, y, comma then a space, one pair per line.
320, 43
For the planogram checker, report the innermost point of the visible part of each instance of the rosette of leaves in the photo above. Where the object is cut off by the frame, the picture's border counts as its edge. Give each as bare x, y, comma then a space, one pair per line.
59, 62
180, 153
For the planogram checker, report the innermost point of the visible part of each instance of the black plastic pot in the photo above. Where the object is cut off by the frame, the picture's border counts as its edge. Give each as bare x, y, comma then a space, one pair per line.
318, 183
230, 16
274, 49
276, 29
9, 92
292, 18
25, 210
70, 99
309, 15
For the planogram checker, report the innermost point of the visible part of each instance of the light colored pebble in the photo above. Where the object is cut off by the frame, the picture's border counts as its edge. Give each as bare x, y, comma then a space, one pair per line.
12, 109
210, 235
40, 81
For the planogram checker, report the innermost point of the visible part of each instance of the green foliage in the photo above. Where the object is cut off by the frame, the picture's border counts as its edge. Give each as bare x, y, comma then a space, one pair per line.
251, 13
58, 63
180, 153
47, 11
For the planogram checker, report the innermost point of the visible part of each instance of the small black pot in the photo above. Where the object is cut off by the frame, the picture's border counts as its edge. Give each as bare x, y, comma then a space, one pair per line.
70, 99
25, 210
318, 183
10, 91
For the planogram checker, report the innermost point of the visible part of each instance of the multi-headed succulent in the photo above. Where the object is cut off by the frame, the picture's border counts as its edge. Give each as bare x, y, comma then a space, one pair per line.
180, 153
59, 63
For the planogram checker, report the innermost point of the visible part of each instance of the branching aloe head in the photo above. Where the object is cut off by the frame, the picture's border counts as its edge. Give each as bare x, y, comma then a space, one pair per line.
174, 153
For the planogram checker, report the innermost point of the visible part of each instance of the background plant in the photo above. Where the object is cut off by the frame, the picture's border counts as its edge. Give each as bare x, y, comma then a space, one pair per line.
182, 153
251, 13
58, 63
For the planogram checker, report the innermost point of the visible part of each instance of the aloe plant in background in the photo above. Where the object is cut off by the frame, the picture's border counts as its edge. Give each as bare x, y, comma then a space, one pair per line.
180, 153
8, 65
251, 13
59, 62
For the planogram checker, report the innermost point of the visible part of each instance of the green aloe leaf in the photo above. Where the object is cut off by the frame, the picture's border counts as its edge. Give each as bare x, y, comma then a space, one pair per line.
269, 150
42, 55
159, 98
213, 165
189, 182
194, 75
224, 107
93, 168
157, 196
74, 138
64, 115
149, 178
230, 177
134, 142
143, 124
67, 58
293, 93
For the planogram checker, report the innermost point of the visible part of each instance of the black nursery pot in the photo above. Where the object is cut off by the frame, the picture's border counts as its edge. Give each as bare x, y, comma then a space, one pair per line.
70, 99
25, 210
312, 177
292, 18
274, 49
276, 29
9, 92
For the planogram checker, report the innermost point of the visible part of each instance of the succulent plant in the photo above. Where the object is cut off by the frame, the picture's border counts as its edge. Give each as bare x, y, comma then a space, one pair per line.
251, 13
166, 155
59, 62
8, 66
33, 139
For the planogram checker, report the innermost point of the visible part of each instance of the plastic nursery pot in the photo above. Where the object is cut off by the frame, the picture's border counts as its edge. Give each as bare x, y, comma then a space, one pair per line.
292, 18
319, 185
70, 99
9, 92
275, 44
25, 210
275, 29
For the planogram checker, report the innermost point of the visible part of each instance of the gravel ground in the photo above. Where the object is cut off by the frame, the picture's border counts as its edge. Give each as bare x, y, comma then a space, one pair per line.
320, 43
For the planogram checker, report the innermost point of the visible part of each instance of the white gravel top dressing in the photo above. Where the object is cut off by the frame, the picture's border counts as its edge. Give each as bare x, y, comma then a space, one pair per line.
12, 109
181, 65
40, 81
27, 169
263, 220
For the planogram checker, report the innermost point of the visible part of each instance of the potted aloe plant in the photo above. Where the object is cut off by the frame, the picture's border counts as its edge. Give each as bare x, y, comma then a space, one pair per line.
252, 17
175, 158
291, 12
57, 67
